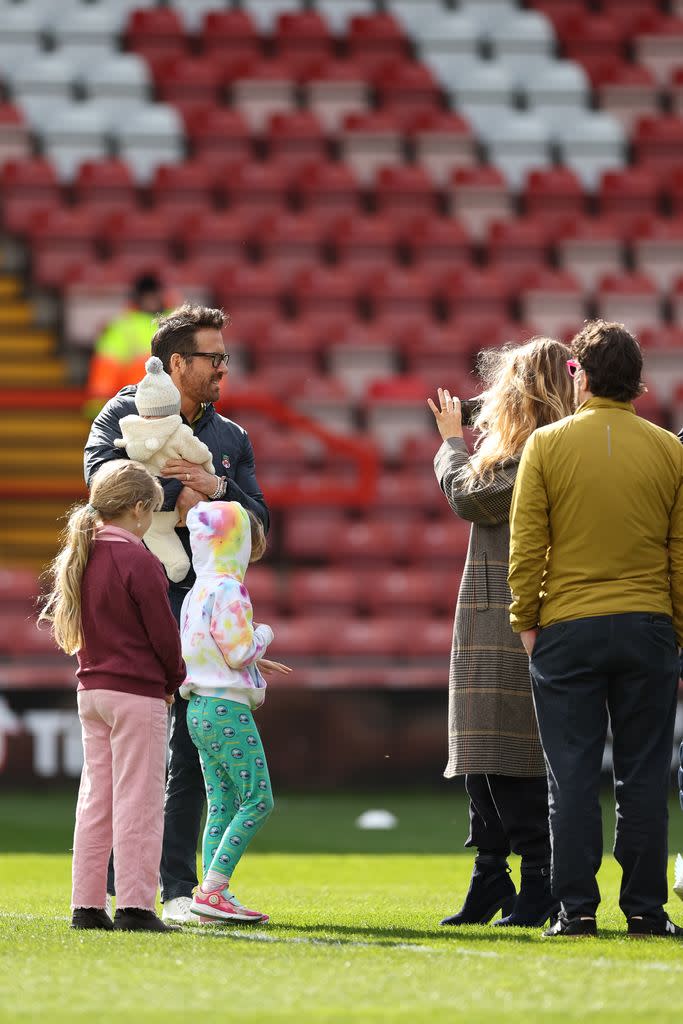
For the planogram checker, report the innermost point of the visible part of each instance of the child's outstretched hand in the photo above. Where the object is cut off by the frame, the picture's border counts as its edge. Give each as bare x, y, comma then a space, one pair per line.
268, 667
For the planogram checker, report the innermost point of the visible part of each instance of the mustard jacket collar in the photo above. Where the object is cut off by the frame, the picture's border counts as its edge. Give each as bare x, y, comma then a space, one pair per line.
605, 403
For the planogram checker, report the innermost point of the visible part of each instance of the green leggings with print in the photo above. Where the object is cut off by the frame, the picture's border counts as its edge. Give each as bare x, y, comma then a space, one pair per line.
236, 777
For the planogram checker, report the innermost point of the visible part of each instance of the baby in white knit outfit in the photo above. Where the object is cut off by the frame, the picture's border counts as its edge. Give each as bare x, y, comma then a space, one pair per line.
154, 436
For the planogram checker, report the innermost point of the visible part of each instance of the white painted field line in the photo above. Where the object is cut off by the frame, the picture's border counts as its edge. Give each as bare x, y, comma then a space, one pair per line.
331, 943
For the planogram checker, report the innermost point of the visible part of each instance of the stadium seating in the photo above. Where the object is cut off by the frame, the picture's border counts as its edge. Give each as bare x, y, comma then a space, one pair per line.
375, 191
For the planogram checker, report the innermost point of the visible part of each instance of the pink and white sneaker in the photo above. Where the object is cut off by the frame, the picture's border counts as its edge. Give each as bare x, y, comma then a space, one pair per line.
221, 905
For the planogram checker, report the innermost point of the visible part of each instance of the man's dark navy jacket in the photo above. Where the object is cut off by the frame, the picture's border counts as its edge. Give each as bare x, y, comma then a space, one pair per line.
228, 443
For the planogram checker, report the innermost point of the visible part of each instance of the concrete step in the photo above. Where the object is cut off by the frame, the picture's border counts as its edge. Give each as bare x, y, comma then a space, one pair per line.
10, 287
27, 429
15, 314
38, 374
22, 461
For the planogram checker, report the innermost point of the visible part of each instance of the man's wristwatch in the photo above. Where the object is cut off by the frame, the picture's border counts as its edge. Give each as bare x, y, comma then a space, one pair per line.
221, 488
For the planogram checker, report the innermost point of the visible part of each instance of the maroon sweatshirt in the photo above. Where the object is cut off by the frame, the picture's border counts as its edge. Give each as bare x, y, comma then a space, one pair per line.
131, 641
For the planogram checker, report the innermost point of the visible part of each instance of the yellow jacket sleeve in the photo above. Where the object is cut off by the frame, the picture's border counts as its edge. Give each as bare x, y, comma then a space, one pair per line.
529, 539
676, 564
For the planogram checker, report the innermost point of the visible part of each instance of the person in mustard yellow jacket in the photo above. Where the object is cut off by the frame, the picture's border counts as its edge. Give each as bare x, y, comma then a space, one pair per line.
121, 350
596, 576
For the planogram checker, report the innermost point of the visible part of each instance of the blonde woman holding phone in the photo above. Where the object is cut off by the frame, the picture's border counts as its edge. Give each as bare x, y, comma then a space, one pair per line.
493, 735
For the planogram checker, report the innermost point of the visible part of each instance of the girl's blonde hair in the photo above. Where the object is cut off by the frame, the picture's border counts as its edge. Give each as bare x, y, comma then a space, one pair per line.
117, 487
527, 386
258, 537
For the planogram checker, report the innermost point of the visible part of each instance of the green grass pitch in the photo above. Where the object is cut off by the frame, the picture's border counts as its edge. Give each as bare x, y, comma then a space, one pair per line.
354, 935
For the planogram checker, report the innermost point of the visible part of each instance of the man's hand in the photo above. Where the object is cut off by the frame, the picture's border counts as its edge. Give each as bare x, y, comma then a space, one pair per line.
528, 638
268, 667
191, 475
449, 416
187, 499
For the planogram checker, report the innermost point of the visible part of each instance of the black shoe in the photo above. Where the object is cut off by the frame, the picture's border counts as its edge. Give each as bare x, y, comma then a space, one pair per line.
491, 889
571, 927
535, 903
662, 927
132, 919
91, 918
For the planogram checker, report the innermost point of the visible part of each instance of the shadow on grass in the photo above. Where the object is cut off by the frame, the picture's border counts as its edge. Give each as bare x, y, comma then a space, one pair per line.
338, 934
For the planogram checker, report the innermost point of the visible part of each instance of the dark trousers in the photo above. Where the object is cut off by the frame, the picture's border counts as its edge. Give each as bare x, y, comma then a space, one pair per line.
509, 814
185, 799
627, 666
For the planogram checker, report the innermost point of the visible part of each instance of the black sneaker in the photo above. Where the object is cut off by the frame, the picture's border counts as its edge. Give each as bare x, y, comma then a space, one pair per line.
662, 927
132, 919
91, 918
571, 927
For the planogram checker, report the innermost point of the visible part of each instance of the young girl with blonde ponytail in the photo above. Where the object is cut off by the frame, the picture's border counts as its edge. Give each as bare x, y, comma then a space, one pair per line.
109, 606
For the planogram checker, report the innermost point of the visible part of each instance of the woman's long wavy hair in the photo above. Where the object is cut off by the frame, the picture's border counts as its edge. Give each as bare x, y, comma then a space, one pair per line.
117, 488
526, 386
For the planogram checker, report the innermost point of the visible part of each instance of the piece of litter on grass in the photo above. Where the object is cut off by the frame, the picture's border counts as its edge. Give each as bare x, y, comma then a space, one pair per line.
376, 818
678, 876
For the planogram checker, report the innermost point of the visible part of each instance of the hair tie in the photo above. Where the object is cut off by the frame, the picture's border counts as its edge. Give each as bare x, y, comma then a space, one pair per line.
91, 508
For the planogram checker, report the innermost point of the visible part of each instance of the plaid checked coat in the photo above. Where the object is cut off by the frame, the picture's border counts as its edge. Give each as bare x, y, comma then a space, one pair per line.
492, 723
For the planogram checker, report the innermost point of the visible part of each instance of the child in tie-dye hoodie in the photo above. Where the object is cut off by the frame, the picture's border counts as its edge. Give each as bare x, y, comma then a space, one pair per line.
222, 648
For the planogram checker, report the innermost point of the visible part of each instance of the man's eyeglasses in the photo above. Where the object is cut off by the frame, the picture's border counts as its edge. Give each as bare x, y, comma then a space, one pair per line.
216, 357
573, 367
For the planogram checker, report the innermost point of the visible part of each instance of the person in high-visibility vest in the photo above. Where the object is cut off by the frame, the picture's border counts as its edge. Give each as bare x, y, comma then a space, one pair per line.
121, 350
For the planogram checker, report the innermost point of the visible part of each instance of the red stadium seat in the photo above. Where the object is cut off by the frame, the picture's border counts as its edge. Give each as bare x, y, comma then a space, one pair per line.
552, 298
434, 241
60, 241
442, 141
319, 289
323, 185
364, 541
218, 133
334, 88
185, 188
185, 78
658, 42
311, 535
231, 32
410, 590
406, 84
668, 337
409, 290
154, 31
303, 637
629, 192
590, 247
254, 185
213, 237
440, 542
429, 639
335, 591
629, 298
292, 240
264, 591
105, 186
589, 35
626, 90
404, 188
519, 243
479, 195
677, 300
297, 134
358, 639
657, 246
676, 90
415, 492
28, 187
303, 33
262, 88
363, 241
375, 35
143, 234
18, 587
658, 141
371, 140
244, 288
672, 187
553, 192
15, 141
473, 291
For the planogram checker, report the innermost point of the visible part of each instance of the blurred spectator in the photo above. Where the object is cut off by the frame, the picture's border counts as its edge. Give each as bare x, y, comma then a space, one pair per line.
121, 351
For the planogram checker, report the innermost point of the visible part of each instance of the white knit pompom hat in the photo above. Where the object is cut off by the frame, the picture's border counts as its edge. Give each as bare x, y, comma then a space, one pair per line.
157, 395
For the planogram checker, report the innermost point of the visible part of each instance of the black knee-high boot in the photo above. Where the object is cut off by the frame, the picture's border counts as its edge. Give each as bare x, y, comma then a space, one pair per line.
491, 889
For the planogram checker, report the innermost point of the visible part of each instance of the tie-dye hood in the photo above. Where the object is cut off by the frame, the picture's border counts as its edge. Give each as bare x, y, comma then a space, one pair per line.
220, 537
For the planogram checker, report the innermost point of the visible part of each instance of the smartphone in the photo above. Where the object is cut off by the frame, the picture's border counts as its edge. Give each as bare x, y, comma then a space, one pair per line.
469, 408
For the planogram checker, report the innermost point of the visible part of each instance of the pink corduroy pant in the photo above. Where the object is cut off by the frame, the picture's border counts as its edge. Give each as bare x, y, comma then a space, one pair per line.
121, 798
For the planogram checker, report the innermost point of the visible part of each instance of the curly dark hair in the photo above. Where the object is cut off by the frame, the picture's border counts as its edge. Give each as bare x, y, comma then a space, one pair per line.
612, 359
176, 331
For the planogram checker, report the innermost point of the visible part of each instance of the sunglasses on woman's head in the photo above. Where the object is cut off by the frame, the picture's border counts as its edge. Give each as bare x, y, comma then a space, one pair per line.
573, 367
